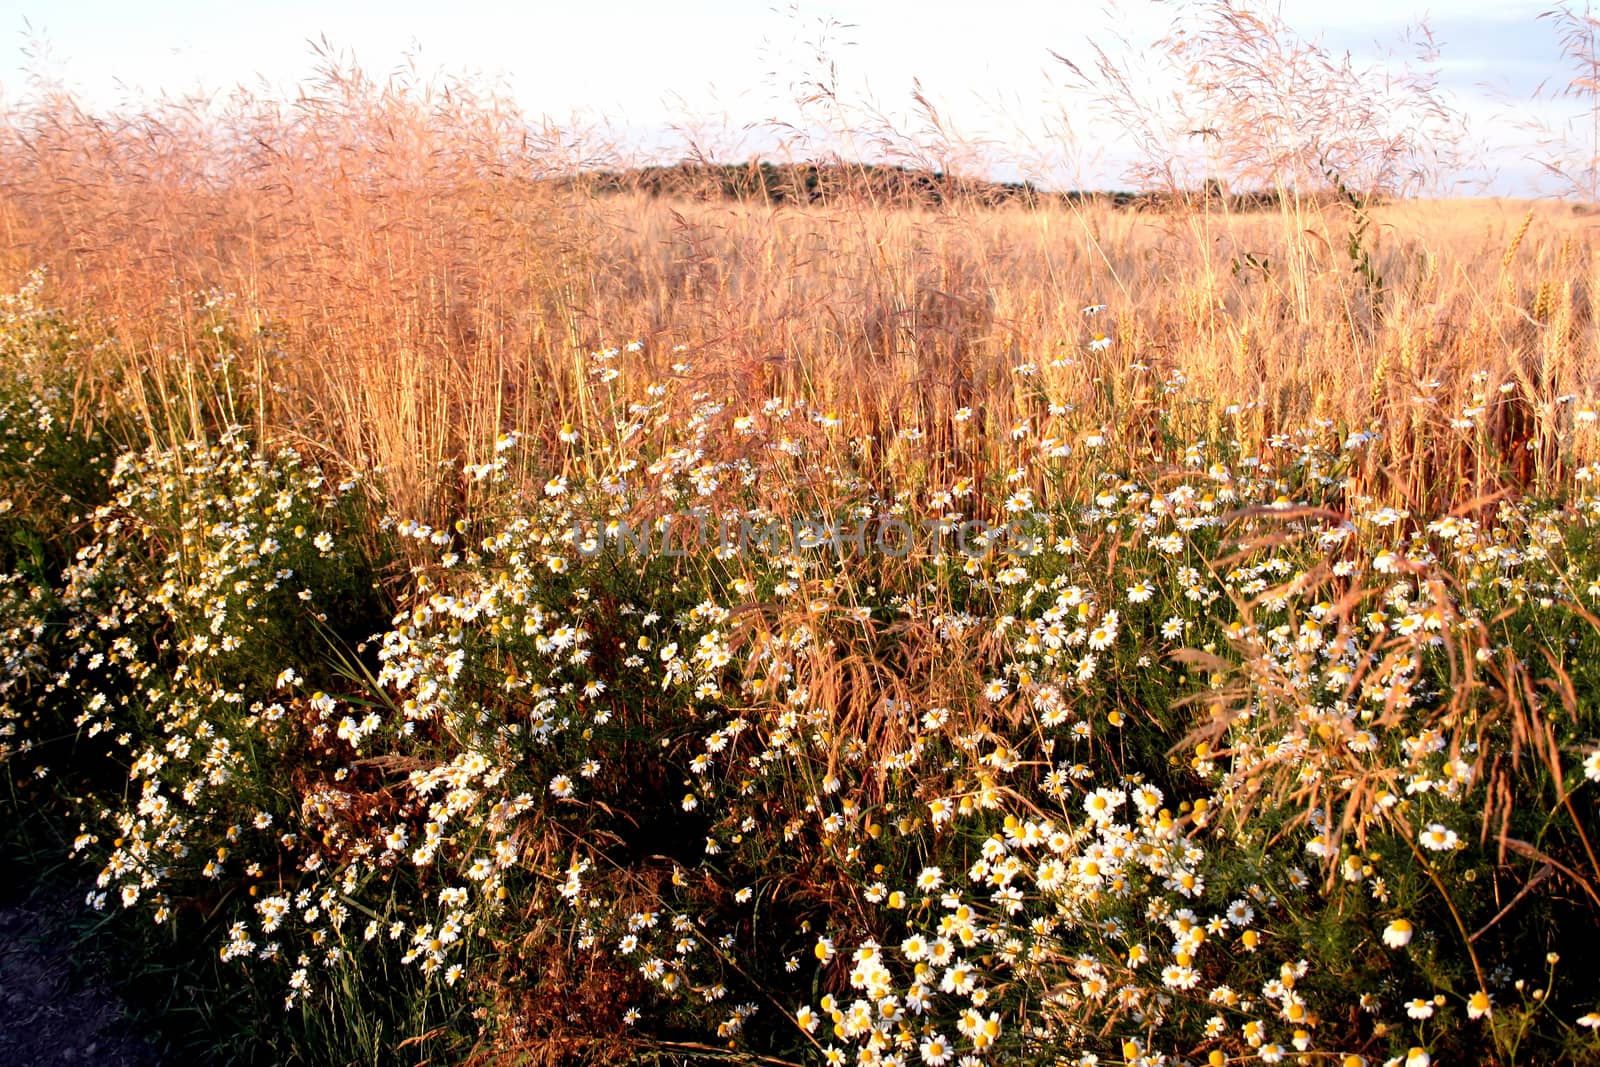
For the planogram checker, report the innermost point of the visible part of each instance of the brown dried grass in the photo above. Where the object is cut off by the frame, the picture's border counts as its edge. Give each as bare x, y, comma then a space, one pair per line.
413, 282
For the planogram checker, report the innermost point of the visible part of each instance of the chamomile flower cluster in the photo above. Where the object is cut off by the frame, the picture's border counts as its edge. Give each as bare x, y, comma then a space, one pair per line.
1150, 748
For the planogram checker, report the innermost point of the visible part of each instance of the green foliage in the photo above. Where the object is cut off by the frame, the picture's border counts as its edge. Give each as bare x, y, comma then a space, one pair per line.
1361, 263
53, 460
1196, 751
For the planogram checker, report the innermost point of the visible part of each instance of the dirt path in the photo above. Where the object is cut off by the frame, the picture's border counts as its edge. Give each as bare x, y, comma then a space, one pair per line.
49, 1016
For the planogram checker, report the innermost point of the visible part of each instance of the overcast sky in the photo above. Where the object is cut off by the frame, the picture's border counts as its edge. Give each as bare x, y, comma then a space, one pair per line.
727, 68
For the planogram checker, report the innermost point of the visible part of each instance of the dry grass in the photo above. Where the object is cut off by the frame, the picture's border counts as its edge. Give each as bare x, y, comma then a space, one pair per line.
397, 278
395, 255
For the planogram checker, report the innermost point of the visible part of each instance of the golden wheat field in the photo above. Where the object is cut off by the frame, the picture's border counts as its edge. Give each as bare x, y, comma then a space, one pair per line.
463, 605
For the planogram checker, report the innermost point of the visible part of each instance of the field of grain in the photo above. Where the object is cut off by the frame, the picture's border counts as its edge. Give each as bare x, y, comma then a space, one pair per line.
504, 619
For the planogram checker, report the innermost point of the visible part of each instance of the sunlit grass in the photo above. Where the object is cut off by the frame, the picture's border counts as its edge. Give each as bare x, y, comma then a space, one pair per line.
1129, 648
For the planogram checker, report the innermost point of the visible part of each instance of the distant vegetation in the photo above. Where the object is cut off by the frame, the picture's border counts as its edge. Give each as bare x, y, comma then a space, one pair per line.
885, 186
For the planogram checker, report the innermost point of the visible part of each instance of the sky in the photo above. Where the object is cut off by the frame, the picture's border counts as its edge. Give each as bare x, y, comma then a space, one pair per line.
727, 74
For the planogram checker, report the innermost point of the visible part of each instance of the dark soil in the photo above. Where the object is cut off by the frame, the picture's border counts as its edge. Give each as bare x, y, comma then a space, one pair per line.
55, 1008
